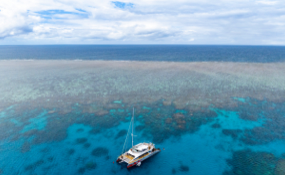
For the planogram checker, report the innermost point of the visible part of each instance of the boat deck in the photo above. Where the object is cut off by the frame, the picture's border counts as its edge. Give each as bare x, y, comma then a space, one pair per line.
140, 157
127, 158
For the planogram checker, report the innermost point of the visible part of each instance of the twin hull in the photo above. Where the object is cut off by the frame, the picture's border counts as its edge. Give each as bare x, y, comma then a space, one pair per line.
142, 159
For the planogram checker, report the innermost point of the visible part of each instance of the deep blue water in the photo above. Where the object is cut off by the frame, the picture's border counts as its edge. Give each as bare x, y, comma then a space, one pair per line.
181, 53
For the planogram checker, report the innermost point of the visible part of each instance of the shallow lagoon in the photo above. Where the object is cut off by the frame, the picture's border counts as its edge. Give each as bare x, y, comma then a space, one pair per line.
69, 117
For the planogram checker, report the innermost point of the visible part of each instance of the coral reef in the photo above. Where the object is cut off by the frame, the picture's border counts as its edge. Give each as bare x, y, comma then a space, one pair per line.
79, 130
50, 159
90, 165
87, 145
121, 133
248, 162
234, 133
272, 116
81, 140
184, 168
187, 85
216, 125
181, 168
71, 152
100, 151
33, 166
81, 170
26, 147
280, 167
112, 88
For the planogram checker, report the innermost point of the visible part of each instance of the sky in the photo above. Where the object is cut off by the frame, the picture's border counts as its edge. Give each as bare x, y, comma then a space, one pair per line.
211, 22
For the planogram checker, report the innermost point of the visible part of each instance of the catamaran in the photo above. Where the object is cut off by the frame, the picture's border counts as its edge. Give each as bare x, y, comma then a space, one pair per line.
137, 153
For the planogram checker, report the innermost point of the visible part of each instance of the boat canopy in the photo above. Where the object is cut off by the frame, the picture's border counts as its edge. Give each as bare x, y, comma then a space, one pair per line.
140, 147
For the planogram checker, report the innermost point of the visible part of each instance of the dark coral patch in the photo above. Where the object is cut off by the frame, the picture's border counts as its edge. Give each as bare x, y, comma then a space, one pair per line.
139, 128
50, 159
248, 162
184, 168
168, 121
71, 151
87, 145
90, 165
95, 131
55, 130
45, 150
216, 125
179, 118
280, 167
272, 128
248, 116
26, 147
220, 147
48, 168
100, 151
81, 140
81, 160
173, 171
234, 133
81, 170
80, 130
159, 125
34, 165
121, 133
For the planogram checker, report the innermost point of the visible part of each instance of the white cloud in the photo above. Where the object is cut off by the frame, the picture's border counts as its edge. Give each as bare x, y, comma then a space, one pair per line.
142, 21
267, 2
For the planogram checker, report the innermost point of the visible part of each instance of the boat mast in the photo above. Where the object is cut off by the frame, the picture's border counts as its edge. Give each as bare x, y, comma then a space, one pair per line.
133, 128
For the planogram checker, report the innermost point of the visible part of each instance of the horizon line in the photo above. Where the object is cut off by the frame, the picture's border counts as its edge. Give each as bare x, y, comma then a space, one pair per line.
137, 45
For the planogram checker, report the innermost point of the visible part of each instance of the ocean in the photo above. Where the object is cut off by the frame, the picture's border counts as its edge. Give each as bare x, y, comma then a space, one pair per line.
212, 110
181, 53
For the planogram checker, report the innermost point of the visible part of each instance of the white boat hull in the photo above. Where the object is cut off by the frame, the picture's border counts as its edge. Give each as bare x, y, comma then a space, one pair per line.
144, 158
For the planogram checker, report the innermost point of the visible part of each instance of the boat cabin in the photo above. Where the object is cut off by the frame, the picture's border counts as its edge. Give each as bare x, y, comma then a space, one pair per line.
140, 148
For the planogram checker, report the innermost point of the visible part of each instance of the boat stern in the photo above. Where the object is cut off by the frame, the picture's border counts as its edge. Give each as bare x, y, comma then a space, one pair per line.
118, 159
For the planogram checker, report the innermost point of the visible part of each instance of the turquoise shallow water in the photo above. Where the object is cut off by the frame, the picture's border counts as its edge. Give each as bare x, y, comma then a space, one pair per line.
44, 141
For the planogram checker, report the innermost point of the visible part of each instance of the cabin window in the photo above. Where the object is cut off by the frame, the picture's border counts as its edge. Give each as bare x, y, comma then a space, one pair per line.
143, 155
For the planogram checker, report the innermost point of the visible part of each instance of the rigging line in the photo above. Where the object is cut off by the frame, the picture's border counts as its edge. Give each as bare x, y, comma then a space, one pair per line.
126, 137
133, 127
